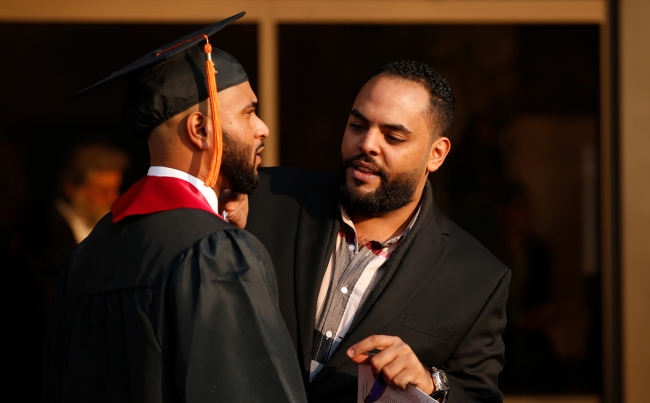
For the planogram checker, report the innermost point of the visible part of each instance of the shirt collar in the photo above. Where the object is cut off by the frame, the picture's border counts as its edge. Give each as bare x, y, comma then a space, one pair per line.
207, 192
80, 228
347, 221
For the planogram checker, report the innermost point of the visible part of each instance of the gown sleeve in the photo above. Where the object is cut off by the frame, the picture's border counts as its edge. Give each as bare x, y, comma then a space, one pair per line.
222, 330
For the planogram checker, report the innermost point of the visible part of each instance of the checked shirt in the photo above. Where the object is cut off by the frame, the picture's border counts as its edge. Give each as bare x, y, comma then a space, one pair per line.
352, 272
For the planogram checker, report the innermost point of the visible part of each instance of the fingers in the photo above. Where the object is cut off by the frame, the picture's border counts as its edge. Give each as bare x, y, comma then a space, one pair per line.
396, 362
402, 372
377, 342
236, 205
391, 347
403, 379
362, 359
228, 196
406, 370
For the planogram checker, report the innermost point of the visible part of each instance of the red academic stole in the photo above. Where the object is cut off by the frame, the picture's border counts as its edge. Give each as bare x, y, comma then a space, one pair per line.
153, 194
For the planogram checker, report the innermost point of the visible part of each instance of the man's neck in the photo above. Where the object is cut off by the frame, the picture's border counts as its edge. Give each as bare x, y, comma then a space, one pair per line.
385, 227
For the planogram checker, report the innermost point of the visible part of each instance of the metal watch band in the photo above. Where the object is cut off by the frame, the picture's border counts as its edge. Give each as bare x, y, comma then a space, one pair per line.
440, 383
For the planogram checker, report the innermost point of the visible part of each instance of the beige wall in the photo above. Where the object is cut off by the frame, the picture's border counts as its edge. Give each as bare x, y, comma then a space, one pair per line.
635, 203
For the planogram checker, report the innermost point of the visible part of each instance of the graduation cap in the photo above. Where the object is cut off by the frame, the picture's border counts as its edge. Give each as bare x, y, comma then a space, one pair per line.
175, 77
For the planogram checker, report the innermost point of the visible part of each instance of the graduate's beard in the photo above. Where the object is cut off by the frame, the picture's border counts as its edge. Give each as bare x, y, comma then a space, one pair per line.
394, 191
237, 166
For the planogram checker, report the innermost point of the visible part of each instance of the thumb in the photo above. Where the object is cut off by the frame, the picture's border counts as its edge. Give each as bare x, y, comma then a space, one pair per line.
361, 359
224, 198
233, 209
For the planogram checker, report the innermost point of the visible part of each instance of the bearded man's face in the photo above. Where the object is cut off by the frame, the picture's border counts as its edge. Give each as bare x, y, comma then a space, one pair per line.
389, 146
239, 166
243, 136
393, 192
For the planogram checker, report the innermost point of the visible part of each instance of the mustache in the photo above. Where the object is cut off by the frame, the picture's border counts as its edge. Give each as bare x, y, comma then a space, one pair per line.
257, 150
381, 171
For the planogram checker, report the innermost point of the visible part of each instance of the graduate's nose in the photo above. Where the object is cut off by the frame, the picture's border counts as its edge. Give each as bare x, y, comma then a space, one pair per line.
261, 129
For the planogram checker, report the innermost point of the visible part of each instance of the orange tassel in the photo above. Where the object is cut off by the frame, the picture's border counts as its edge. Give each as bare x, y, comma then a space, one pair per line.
215, 165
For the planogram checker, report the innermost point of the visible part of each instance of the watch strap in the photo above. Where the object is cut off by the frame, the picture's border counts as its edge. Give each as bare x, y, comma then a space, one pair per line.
440, 383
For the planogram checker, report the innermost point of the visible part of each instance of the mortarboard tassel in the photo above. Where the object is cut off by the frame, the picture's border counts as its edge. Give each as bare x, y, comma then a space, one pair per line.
217, 135
213, 174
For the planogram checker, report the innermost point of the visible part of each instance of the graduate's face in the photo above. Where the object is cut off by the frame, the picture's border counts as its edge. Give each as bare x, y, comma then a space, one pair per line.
243, 135
387, 147
238, 106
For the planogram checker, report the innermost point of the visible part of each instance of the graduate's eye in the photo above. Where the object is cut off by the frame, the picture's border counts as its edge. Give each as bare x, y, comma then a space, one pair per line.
251, 109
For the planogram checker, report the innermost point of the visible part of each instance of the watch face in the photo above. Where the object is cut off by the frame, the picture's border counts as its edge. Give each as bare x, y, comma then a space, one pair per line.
443, 380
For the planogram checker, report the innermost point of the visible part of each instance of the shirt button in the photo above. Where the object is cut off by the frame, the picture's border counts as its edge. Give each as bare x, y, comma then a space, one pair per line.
328, 334
344, 290
351, 247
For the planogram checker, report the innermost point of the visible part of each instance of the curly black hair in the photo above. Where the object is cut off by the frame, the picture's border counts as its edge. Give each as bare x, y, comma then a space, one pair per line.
442, 97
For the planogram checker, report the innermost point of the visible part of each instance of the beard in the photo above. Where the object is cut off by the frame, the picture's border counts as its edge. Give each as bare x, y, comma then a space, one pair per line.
395, 190
238, 166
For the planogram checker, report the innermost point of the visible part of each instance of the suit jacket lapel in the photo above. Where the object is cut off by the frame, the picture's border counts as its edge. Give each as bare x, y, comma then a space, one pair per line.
317, 230
421, 259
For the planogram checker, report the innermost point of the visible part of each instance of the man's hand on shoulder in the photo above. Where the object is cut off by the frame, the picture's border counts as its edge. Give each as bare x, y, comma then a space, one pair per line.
396, 361
236, 205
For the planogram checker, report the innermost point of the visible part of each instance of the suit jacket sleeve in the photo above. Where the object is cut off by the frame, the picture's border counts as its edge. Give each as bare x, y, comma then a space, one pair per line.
222, 317
475, 365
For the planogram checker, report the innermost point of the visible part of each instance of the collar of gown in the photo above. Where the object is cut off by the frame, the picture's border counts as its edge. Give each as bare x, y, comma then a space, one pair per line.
165, 189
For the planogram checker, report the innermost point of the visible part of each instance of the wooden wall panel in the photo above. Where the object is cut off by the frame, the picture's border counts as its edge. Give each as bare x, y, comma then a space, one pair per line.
635, 196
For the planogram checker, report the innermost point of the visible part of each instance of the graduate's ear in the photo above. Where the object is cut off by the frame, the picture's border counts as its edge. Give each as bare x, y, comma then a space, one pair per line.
198, 128
437, 153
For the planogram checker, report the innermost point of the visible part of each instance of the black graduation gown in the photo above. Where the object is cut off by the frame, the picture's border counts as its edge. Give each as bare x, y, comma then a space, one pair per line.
172, 306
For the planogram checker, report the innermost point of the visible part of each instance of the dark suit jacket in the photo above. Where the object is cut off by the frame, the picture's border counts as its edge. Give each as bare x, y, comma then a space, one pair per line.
443, 293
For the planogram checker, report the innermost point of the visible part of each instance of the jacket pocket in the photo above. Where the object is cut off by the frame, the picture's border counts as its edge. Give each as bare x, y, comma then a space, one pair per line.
425, 326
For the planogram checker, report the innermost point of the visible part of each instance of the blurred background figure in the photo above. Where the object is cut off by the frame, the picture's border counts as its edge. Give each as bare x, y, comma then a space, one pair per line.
39, 227
89, 183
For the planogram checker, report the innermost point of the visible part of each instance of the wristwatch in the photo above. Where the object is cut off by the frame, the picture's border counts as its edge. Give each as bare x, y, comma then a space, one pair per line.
440, 384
